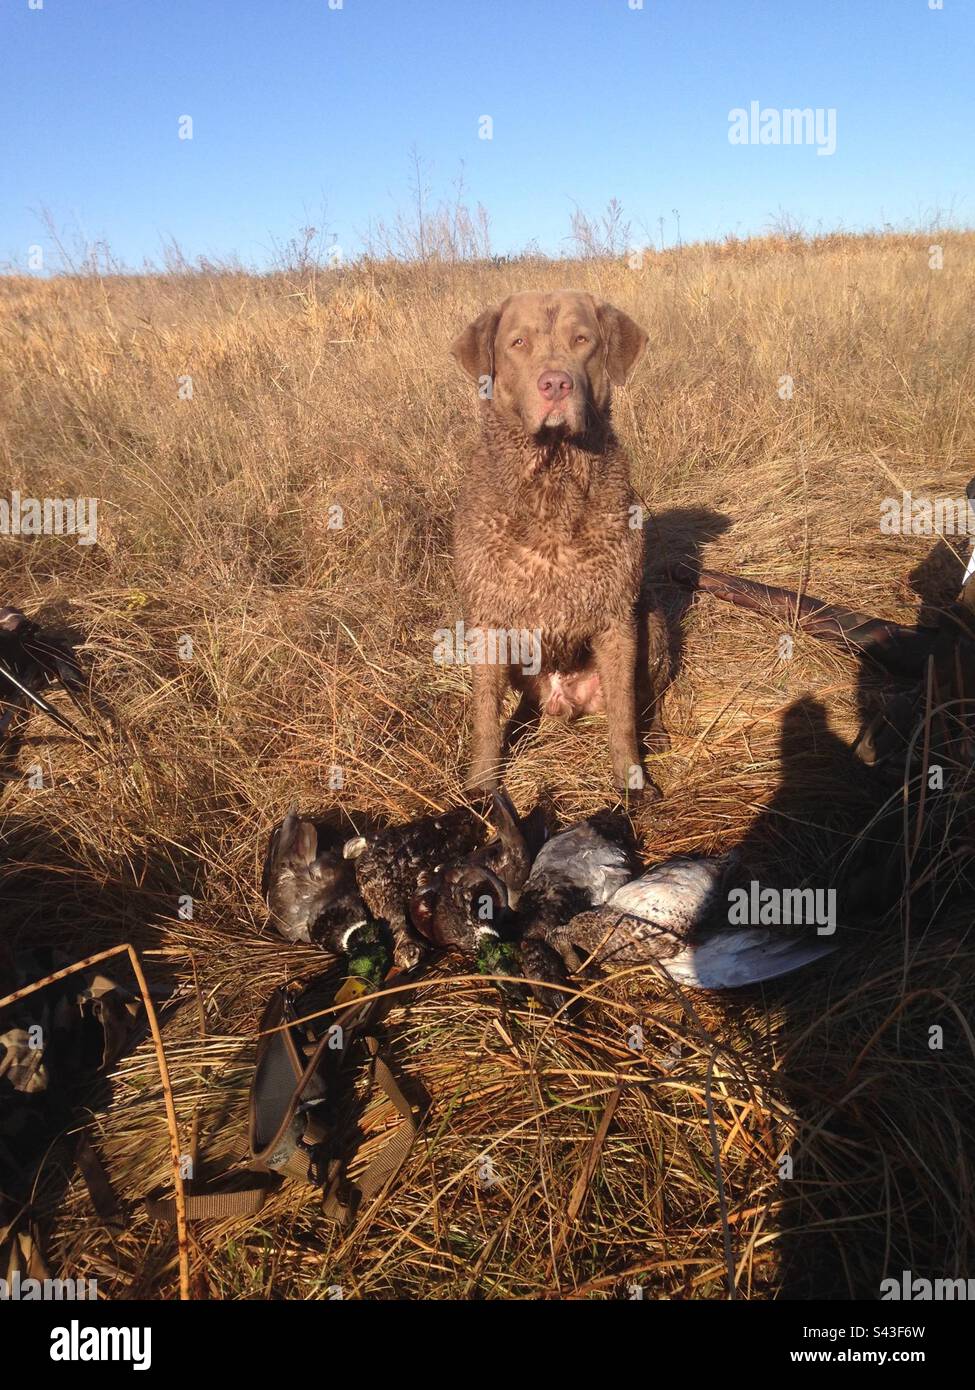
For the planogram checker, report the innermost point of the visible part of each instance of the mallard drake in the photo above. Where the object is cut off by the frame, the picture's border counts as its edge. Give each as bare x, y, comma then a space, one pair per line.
312, 897
669, 915
392, 865
458, 904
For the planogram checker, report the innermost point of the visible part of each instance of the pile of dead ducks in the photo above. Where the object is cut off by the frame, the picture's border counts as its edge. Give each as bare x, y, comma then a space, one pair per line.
540, 911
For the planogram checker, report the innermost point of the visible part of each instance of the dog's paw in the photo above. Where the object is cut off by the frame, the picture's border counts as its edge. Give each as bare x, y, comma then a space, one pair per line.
634, 799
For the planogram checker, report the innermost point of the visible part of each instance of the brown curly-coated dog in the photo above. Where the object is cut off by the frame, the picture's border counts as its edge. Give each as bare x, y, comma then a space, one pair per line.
548, 534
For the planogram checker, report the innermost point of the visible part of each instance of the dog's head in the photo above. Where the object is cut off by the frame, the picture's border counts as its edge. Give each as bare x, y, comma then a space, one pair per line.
548, 361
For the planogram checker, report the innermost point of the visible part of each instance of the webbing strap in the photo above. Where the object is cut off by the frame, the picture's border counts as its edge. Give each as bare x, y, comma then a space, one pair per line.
209, 1206
387, 1163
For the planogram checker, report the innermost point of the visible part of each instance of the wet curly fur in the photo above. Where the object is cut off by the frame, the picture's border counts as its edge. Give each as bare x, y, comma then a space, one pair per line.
548, 534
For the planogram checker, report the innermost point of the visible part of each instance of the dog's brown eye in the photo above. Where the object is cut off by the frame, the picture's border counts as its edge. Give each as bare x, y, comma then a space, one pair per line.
518, 342
581, 338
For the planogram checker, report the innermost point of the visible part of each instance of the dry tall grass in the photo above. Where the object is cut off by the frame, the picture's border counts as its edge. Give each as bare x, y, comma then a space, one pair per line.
312, 649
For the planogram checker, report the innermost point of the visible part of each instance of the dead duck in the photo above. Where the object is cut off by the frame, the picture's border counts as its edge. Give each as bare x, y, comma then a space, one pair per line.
575, 871
583, 865
670, 915
392, 865
310, 888
506, 921
312, 897
319, 887
459, 903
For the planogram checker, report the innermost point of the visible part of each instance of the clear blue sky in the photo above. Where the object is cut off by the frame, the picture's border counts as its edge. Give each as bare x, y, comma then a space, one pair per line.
296, 105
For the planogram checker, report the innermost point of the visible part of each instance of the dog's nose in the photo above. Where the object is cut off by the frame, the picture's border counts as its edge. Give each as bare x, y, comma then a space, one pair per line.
554, 385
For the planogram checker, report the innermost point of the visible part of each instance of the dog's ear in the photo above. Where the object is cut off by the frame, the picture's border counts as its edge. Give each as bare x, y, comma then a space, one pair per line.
625, 342
474, 348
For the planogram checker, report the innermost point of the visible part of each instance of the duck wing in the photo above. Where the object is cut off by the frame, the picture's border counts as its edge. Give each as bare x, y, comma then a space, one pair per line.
661, 916
739, 956
676, 896
298, 884
586, 858
729, 958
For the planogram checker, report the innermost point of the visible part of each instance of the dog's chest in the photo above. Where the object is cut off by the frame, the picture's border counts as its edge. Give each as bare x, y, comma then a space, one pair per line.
550, 578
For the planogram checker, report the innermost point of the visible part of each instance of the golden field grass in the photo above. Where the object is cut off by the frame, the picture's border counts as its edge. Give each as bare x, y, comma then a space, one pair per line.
312, 649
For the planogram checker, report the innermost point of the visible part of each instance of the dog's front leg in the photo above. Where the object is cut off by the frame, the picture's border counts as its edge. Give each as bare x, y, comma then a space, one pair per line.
490, 681
615, 654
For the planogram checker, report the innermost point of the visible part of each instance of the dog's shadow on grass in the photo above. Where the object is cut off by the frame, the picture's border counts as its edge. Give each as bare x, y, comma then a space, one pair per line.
674, 543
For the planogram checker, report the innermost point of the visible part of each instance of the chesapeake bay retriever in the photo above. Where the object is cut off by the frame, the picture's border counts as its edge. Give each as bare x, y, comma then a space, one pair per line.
547, 535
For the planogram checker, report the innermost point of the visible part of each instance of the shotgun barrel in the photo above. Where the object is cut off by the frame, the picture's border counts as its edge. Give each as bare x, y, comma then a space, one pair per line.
896, 646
